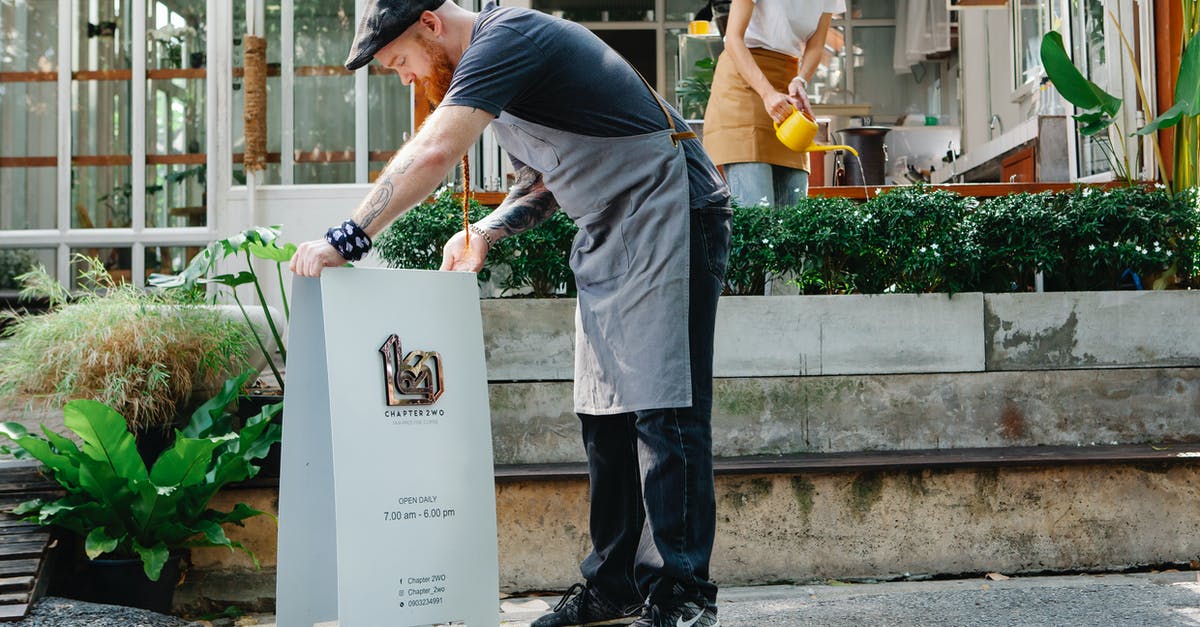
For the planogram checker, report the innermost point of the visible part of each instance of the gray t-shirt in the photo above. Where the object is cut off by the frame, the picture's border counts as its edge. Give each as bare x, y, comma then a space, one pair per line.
559, 74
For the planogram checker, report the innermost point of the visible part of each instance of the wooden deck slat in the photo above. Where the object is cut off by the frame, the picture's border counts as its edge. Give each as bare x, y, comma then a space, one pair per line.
16, 567
19, 583
13, 612
17, 550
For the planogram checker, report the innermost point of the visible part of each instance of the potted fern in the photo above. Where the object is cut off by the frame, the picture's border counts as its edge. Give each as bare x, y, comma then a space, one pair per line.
136, 520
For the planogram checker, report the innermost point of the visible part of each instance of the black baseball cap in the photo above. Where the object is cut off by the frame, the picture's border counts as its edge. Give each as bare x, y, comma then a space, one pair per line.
383, 21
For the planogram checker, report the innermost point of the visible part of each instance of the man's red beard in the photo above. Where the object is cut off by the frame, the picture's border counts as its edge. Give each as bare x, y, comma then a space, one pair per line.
436, 86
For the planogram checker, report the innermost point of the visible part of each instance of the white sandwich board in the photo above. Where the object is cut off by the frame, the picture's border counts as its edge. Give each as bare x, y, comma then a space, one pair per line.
387, 511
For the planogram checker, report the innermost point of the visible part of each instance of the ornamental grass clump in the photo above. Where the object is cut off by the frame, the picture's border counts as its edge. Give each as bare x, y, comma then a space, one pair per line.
142, 354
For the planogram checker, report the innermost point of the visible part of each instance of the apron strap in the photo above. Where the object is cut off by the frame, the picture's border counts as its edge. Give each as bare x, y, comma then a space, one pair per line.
676, 136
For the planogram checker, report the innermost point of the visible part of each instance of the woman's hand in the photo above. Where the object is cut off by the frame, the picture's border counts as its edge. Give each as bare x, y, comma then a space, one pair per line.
778, 106
798, 95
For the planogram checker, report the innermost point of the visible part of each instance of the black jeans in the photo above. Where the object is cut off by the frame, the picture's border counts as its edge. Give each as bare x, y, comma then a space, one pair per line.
653, 509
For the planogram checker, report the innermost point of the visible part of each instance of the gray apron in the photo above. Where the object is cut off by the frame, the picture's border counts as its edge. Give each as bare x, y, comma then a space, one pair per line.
629, 197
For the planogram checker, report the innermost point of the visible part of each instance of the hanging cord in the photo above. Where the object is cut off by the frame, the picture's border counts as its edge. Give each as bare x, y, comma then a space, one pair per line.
255, 62
466, 200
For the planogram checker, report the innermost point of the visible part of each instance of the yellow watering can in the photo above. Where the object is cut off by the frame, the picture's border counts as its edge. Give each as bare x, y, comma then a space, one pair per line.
797, 132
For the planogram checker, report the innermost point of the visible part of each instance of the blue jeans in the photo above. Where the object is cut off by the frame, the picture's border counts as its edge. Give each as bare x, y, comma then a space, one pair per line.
763, 183
653, 509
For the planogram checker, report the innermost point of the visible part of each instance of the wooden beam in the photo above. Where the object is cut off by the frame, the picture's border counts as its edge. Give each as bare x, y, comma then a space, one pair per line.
28, 77
1168, 49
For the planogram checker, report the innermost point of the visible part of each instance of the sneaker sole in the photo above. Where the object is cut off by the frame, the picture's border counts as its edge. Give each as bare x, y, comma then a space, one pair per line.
616, 621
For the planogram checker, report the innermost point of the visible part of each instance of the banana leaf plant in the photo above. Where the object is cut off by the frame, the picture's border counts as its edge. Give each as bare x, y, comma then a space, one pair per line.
1184, 114
1099, 108
122, 508
260, 242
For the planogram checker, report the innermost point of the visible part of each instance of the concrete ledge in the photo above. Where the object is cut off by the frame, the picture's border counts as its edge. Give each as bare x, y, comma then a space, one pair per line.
533, 422
856, 334
533, 339
1091, 330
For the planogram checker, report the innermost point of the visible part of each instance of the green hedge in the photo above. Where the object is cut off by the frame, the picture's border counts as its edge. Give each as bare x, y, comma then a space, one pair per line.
910, 239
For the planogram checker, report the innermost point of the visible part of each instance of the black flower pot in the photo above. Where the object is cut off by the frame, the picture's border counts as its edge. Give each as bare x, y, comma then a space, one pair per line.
124, 582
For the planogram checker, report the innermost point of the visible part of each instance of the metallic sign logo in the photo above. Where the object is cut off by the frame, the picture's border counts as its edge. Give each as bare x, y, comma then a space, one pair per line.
414, 379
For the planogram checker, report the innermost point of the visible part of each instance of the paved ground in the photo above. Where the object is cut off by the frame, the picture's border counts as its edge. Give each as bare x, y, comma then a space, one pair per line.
1159, 599
1144, 599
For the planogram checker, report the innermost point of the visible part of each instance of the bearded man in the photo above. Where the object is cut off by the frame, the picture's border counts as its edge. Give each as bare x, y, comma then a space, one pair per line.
587, 135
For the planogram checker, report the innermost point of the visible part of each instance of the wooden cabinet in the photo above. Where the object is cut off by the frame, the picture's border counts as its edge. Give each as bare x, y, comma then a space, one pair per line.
1019, 167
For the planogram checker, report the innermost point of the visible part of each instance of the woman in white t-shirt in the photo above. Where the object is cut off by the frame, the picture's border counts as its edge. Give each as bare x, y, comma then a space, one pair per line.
772, 49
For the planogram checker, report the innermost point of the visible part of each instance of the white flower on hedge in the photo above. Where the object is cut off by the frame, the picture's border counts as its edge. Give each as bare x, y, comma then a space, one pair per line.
933, 246
1087, 191
1091, 247
891, 289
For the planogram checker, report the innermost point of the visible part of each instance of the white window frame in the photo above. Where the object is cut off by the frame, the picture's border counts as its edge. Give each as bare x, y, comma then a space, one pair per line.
137, 237
1120, 73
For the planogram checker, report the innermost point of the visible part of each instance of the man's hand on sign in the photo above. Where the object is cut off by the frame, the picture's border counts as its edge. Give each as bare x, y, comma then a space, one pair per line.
313, 257
456, 256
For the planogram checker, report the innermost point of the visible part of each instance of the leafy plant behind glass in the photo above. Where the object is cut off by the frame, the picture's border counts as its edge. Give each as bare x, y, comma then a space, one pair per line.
693, 92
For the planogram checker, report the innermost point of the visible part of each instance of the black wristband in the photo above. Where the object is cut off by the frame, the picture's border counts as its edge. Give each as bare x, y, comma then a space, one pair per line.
351, 242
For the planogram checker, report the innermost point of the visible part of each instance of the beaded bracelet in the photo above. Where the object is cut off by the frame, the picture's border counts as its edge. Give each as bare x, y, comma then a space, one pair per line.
481, 233
351, 242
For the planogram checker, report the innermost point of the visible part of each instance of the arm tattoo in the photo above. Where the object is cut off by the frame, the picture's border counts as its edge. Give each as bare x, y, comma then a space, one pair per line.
528, 204
382, 197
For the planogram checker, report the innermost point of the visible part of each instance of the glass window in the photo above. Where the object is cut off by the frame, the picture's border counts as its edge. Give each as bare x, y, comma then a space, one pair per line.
168, 259
1089, 54
100, 197
28, 113
1031, 20
117, 261
324, 92
828, 84
872, 9
389, 112
17, 261
600, 10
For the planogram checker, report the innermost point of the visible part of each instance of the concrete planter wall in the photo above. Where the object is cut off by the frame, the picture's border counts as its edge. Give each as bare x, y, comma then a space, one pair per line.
847, 373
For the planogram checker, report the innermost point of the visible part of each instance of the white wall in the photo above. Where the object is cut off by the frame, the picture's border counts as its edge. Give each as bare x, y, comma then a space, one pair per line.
986, 76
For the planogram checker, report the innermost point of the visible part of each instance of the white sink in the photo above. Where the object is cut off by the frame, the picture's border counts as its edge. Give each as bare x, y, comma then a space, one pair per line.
921, 147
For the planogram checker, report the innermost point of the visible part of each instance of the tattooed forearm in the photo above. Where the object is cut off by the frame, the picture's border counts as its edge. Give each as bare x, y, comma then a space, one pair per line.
528, 204
379, 200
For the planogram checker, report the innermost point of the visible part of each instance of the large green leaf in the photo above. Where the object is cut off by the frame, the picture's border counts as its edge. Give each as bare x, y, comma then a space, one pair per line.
273, 252
211, 417
1093, 122
100, 482
1187, 90
153, 559
231, 280
64, 470
1073, 86
184, 464
99, 542
105, 437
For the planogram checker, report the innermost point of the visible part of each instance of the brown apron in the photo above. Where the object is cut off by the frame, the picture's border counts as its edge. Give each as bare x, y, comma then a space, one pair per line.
737, 128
